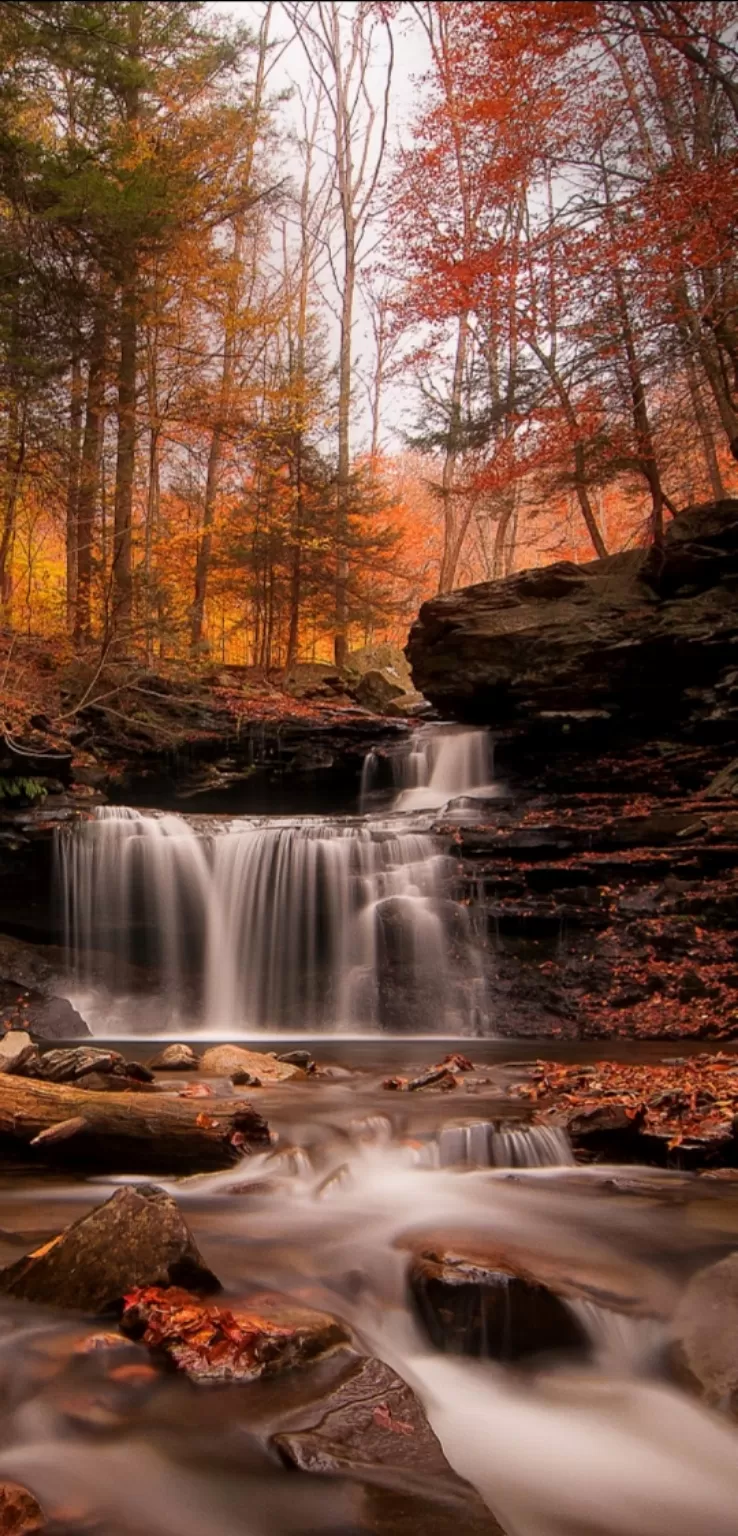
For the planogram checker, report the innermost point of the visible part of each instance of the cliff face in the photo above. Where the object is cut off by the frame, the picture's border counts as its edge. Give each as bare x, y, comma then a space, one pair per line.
629, 642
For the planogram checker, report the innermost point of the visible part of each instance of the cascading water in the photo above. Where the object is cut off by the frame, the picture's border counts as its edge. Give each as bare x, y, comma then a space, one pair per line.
259, 925
245, 927
437, 765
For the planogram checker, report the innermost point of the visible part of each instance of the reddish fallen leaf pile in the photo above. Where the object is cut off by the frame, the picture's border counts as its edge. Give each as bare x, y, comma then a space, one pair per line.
213, 1343
205, 1341
694, 1097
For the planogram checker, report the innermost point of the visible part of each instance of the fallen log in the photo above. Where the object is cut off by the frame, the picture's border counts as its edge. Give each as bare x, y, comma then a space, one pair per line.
127, 1132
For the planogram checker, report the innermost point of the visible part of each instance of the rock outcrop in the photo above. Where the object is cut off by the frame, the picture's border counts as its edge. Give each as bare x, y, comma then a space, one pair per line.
625, 642
137, 1238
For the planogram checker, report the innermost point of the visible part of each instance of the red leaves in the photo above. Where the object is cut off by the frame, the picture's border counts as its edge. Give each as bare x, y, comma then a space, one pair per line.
216, 1343
696, 1097
202, 1340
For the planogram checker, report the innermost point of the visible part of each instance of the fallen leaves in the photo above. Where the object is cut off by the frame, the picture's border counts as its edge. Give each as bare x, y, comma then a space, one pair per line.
694, 1097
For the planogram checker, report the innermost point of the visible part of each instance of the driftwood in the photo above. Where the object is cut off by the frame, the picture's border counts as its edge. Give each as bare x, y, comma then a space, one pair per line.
127, 1132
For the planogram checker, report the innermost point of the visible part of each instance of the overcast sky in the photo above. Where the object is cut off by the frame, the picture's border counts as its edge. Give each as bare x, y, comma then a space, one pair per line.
292, 69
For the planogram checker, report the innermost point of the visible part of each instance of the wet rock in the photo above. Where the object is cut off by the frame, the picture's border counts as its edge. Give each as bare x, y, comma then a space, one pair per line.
261, 1337
224, 1060
243, 1079
137, 1238
705, 1335
297, 1059
79, 1062
368, 1423
489, 1309
174, 1058
449, 1278
613, 1131
20, 1514
27, 991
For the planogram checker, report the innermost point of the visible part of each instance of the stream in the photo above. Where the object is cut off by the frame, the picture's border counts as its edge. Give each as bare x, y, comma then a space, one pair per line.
335, 930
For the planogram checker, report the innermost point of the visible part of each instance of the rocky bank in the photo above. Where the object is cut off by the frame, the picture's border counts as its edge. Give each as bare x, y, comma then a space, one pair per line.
605, 873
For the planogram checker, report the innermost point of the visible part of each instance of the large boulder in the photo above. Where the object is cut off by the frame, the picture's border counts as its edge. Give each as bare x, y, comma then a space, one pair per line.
137, 1238
705, 1334
227, 1060
629, 640
483, 1296
368, 1424
489, 1309
378, 677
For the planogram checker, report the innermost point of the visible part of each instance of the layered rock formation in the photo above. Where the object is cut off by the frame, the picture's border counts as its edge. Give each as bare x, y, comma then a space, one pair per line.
630, 642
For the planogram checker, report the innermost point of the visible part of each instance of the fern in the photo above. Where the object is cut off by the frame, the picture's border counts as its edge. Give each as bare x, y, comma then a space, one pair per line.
22, 789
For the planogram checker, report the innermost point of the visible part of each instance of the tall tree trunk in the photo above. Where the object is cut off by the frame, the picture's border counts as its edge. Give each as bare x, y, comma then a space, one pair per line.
504, 521
89, 476
76, 409
125, 468
645, 445
293, 637
343, 478
704, 426
641, 421
451, 544
122, 591
15, 455
580, 467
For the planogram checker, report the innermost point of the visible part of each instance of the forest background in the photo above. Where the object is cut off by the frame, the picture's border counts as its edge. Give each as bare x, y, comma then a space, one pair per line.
279, 359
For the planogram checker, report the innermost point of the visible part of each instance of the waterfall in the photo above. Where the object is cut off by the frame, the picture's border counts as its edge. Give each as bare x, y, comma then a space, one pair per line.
482, 1145
249, 926
438, 764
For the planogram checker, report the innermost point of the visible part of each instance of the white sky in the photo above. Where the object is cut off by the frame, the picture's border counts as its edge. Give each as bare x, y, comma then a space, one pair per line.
292, 69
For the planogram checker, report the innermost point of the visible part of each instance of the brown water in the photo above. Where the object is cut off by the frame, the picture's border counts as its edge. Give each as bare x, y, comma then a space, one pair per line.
610, 1448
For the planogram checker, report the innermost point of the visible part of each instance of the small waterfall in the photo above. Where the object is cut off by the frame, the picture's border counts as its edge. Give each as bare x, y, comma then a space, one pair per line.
438, 764
532, 1146
482, 1145
253, 926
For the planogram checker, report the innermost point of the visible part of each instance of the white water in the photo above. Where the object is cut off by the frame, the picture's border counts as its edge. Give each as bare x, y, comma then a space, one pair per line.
244, 927
265, 924
595, 1449
439, 764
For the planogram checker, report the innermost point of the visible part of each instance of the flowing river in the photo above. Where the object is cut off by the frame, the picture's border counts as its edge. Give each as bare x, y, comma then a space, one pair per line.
246, 928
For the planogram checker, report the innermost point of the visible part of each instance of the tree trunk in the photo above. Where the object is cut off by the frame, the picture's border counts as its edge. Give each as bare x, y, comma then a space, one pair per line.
340, 643
205, 544
89, 475
704, 428
76, 409
451, 544
293, 638
14, 461
122, 593
580, 467
128, 1132
125, 468
644, 436
505, 518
